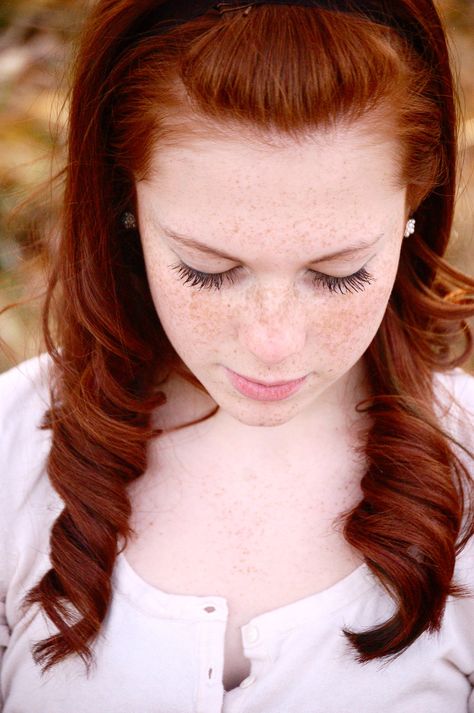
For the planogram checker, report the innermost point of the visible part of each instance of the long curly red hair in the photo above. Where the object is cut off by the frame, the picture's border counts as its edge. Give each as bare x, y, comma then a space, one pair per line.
291, 69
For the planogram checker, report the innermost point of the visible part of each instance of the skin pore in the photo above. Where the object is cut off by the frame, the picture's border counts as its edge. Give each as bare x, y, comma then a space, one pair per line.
244, 505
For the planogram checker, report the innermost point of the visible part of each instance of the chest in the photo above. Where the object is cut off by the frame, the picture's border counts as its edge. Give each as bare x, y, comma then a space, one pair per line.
259, 547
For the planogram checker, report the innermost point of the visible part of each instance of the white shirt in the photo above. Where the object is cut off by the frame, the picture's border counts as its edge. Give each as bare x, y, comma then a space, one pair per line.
160, 652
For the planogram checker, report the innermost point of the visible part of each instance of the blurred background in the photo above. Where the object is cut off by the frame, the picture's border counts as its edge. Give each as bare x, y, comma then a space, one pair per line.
36, 39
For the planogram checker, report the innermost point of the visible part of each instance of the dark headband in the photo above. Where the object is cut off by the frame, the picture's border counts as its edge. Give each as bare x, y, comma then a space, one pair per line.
389, 13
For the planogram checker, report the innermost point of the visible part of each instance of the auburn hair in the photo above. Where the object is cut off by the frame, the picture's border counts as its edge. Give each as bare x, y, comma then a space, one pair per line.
134, 87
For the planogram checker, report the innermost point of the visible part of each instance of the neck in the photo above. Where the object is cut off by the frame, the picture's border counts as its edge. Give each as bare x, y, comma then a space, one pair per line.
330, 418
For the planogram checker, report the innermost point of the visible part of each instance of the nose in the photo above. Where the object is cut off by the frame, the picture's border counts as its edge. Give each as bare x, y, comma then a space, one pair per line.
273, 327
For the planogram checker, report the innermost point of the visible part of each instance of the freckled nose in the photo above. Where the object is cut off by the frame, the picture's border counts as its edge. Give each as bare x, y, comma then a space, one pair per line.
273, 330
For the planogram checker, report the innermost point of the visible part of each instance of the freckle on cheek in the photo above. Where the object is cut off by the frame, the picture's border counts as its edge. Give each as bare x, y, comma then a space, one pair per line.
354, 330
203, 320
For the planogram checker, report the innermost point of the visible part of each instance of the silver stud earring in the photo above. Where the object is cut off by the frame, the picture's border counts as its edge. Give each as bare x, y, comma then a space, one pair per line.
128, 221
410, 228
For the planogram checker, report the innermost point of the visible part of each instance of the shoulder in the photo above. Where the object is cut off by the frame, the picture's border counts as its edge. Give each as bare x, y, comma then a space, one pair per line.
28, 503
454, 404
24, 386
454, 392
457, 385
24, 400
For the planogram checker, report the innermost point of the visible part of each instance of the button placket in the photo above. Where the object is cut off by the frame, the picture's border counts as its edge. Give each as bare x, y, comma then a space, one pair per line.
211, 611
212, 631
255, 646
248, 681
250, 635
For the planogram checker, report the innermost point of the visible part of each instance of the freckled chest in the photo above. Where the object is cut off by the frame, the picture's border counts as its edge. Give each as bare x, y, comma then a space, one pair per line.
259, 539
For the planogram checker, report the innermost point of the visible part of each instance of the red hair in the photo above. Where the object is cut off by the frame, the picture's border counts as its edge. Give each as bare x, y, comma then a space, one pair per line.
134, 87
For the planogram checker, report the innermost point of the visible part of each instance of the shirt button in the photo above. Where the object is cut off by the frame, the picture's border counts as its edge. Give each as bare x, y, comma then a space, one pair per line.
251, 634
247, 682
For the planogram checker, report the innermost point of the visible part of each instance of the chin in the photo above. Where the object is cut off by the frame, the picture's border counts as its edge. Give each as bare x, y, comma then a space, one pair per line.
262, 414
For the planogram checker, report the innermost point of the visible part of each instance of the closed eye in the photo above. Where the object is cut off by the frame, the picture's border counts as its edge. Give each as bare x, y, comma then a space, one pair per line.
205, 280
356, 282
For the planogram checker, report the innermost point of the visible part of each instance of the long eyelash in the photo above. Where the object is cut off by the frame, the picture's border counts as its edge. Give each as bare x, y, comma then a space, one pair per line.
206, 280
215, 281
344, 285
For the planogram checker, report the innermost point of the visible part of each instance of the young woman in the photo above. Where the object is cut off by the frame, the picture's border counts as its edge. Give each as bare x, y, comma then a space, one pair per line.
241, 480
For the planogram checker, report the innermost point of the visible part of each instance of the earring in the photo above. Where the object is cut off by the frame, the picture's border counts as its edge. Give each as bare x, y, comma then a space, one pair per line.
410, 228
128, 221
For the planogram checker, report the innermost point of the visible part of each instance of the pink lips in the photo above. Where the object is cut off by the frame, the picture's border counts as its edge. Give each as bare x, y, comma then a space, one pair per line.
264, 392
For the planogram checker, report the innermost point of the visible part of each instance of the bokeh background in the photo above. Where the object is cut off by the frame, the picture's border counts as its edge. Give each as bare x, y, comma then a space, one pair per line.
36, 43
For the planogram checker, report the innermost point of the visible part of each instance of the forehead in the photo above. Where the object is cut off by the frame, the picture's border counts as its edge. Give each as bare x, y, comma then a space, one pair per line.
214, 185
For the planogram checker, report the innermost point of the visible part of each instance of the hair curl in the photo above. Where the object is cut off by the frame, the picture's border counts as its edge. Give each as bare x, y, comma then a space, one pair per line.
132, 88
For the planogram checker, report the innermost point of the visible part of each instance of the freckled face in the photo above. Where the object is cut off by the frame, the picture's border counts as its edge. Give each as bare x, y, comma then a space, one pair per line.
302, 243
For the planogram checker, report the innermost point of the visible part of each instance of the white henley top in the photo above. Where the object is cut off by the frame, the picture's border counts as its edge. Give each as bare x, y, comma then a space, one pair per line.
160, 652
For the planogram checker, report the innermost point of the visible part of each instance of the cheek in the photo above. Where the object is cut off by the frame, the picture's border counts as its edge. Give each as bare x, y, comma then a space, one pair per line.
339, 328
192, 320
345, 330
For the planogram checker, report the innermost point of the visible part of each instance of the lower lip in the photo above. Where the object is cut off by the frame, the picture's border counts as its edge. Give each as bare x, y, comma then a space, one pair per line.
260, 392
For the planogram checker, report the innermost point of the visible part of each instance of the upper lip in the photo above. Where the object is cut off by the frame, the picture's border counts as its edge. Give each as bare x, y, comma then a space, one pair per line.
270, 383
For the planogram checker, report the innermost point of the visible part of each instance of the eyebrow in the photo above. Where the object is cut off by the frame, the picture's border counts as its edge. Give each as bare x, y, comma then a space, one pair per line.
188, 242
